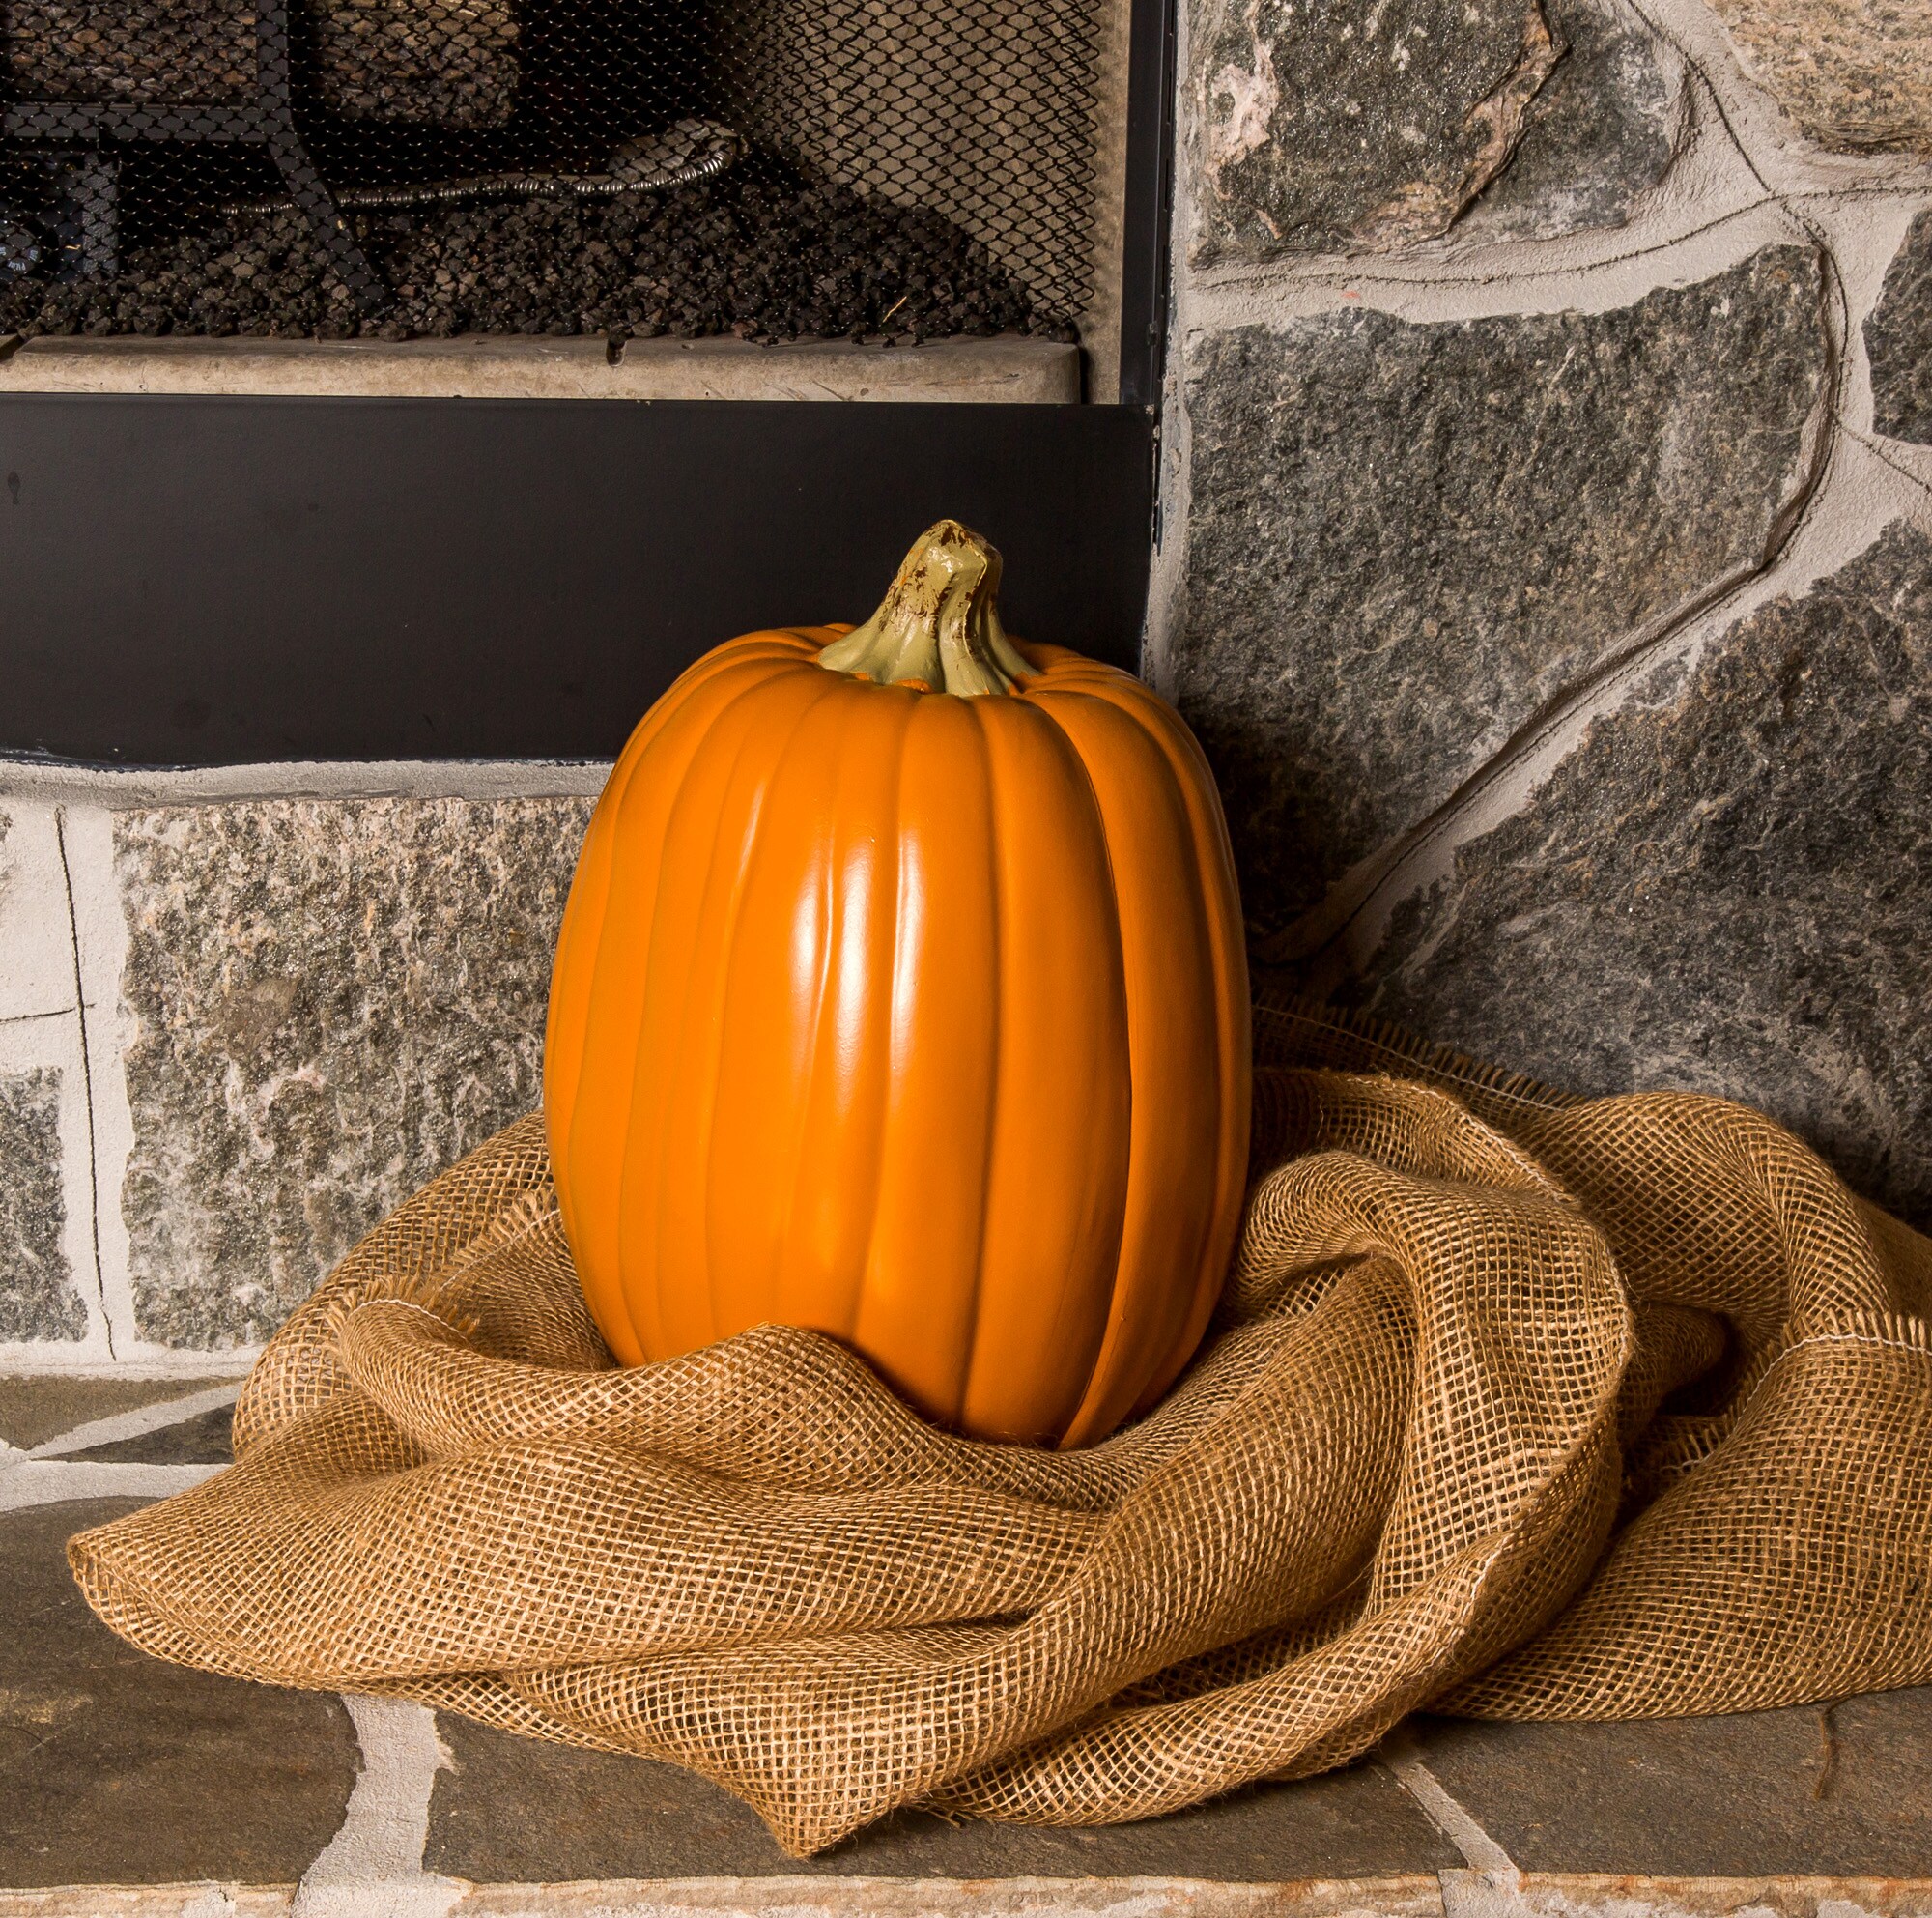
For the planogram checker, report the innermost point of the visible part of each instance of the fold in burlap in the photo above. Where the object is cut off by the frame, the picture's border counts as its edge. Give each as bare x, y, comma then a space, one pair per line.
1517, 1407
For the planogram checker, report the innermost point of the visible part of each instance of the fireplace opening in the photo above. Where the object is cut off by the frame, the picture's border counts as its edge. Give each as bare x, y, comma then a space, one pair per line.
396, 169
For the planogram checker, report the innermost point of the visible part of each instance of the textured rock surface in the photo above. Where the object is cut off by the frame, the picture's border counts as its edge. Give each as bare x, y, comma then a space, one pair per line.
37, 1406
1603, 128
1855, 75
1725, 1797
38, 1298
207, 1438
1406, 540
133, 49
1899, 338
1376, 123
609, 1815
332, 1001
1724, 889
121, 1769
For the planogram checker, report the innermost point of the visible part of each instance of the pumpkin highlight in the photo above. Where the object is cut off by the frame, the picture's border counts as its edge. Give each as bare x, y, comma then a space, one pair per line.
901, 995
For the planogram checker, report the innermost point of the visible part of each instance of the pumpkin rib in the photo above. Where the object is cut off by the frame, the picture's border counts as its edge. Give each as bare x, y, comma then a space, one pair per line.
788, 1153
597, 1127
1214, 857
1054, 1215
995, 1036
621, 954
1144, 816
769, 744
921, 1267
569, 1001
822, 815
674, 988
780, 760
905, 899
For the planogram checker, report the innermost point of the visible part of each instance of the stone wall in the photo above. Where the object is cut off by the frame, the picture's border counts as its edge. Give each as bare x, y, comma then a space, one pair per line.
243, 1015
1547, 561
1547, 566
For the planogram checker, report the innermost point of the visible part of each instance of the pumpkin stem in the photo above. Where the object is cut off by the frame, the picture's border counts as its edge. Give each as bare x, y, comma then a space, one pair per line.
939, 624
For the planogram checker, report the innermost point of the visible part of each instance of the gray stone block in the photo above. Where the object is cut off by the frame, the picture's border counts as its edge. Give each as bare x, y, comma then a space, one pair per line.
1602, 129
1809, 1790
37, 1406
1898, 338
38, 1298
1407, 540
609, 1815
1724, 888
122, 1770
1379, 122
204, 1438
1356, 122
331, 1001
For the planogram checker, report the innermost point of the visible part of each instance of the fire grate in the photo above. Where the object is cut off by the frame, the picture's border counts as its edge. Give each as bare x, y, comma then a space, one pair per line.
772, 168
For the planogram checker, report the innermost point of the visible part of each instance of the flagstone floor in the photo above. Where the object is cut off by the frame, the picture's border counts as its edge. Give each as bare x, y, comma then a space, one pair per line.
119, 1771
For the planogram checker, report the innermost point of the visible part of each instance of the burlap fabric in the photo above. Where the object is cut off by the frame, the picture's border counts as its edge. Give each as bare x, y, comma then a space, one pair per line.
1519, 1407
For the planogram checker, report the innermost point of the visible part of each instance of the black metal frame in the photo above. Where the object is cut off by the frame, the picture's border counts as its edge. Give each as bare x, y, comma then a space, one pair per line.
267, 119
1148, 214
214, 581
210, 581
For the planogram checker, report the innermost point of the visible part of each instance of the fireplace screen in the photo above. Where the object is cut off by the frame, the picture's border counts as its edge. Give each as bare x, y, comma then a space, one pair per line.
424, 168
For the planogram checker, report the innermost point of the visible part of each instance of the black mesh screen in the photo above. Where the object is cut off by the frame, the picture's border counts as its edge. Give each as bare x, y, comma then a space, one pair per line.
401, 168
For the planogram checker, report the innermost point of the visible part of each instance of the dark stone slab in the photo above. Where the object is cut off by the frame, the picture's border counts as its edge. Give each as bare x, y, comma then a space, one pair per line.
206, 1438
1371, 124
1726, 887
1407, 540
38, 1298
516, 1810
37, 1406
333, 1001
1845, 1792
117, 1768
1356, 123
1898, 338
1602, 129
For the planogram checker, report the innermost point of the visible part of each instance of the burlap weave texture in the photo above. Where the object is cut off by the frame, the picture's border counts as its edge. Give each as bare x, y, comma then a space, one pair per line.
1518, 1406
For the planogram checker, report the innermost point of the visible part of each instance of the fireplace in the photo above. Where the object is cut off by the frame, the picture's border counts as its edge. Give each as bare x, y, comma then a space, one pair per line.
385, 380
420, 169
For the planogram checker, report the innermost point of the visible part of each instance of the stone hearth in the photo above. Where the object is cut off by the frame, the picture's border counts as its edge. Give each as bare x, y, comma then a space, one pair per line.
147, 1791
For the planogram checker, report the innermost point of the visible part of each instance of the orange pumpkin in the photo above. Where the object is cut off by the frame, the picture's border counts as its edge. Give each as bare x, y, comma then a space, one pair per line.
901, 995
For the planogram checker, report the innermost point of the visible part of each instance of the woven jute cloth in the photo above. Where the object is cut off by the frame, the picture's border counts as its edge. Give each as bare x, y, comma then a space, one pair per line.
1517, 1407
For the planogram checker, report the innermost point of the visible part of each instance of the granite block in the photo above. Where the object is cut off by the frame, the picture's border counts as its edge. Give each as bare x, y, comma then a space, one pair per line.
1723, 888
608, 1816
1359, 123
1406, 540
116, 1768
38, 1296
330, 1001
1602, 130
1380, 123
1855, 75
1898, 341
